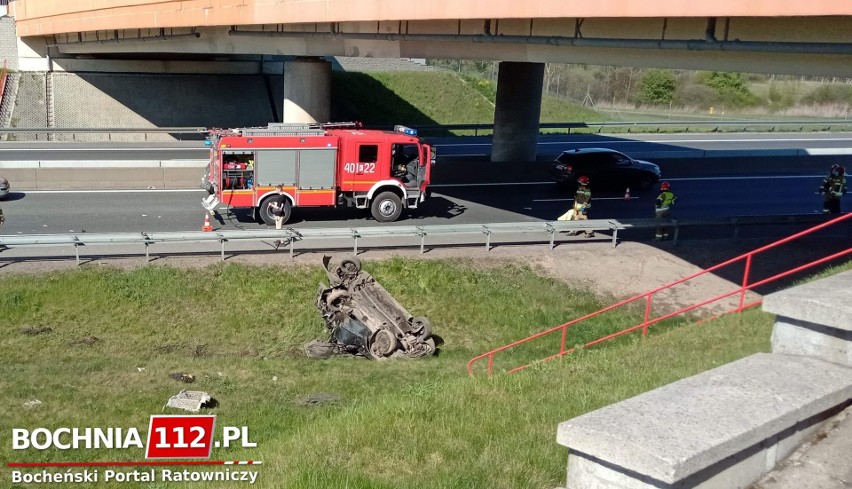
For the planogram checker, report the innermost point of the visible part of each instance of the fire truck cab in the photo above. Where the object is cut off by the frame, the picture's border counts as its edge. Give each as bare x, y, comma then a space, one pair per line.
331, 164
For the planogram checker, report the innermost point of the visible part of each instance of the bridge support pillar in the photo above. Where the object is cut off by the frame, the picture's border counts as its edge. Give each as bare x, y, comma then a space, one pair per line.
307, 90
518, 110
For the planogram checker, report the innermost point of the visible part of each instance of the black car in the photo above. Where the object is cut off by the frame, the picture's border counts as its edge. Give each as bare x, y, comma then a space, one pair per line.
606, 168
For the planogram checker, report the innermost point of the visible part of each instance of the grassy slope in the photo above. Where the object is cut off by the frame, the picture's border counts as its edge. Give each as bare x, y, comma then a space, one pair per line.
437, 97
398, 424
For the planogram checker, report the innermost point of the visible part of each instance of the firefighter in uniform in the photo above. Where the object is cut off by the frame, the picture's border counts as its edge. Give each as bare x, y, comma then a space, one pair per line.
663, 209
582, 203
832, 188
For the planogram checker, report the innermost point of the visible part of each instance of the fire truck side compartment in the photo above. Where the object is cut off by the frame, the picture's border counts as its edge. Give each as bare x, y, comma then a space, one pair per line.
316, 168
276, 166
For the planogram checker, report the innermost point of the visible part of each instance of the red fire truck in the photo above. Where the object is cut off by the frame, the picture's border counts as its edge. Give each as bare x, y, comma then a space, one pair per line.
331, 164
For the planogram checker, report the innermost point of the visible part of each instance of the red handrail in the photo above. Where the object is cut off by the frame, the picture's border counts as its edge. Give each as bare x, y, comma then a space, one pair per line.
646, 322
3, 74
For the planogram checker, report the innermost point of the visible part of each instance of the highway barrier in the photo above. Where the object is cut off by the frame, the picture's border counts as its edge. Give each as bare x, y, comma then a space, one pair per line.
400, 236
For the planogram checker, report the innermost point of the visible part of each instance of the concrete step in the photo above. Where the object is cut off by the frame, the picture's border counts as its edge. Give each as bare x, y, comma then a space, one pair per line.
722, 429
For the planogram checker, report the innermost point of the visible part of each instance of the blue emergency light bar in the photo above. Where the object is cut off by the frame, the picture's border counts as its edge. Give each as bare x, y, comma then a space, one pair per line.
405, 130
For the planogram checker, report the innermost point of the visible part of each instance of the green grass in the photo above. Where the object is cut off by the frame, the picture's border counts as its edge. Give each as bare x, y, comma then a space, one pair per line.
397, 424
444, 97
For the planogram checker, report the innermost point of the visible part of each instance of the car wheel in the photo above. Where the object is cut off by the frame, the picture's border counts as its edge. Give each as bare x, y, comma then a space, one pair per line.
646, 182
422, 327
350, 265
383, 344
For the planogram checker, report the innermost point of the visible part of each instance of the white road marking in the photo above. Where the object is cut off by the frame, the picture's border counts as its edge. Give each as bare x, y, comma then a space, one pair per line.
108, 191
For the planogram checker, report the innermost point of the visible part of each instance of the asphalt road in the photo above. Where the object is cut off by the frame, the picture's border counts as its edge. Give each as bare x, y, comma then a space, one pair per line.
738, 180
130, 211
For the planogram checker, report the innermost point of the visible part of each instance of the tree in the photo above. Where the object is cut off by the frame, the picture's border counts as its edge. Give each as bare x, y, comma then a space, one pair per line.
656, 88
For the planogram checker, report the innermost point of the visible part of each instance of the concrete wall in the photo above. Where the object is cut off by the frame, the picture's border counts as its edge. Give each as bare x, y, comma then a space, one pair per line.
30, 104
145, 100
8, 43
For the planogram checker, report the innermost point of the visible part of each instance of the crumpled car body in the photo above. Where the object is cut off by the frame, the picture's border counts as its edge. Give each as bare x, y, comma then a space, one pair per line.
362, 318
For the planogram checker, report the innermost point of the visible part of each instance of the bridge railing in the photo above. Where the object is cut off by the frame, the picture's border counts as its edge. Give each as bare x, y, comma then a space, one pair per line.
486, 129
550, 232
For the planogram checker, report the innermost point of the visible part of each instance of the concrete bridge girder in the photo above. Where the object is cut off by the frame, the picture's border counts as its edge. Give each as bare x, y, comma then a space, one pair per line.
771, 45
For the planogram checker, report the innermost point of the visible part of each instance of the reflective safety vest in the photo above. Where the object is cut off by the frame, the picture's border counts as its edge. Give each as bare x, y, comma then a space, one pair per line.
835, 184
666, 199
583, 196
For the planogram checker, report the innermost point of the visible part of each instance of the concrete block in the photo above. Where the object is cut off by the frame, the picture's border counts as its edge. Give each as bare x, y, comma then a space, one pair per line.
797, 337
723, 428
99, 164
184, 163
18, 164
814, 319
826, 301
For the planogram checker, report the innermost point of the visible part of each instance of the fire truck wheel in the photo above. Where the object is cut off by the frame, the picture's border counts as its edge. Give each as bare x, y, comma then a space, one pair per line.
386, 207
265, 210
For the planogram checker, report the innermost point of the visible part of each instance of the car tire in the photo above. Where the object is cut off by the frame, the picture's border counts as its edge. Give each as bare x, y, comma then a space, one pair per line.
423, 327
350, 265
646, 183
383, 344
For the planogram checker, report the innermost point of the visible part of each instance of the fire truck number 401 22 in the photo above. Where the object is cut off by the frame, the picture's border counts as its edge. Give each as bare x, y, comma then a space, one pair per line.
277, 168
359, 168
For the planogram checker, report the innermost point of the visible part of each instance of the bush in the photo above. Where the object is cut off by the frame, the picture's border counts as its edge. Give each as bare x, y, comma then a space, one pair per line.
781, 97
657, 88
731, 88
829, 94
700, 96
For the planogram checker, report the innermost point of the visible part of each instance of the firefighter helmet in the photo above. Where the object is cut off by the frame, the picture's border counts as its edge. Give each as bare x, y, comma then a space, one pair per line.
840, 171
665, 186
583, 180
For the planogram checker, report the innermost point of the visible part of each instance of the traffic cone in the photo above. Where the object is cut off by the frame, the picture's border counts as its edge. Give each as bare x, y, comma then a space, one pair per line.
627, 194
207, 226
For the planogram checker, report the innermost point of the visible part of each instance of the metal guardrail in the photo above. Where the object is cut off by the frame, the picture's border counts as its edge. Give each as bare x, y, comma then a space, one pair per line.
509, 231
446, 129
715, 125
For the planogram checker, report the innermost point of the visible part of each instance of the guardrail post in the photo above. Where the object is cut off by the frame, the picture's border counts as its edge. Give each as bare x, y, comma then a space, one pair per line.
77, 252
422, 235
222, 241
146, 253
487, 238
676, 231
552, 230
614, 236
356, 236
735, 221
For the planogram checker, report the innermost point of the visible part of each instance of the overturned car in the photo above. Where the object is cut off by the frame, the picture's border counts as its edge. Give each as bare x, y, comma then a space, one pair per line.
362, 318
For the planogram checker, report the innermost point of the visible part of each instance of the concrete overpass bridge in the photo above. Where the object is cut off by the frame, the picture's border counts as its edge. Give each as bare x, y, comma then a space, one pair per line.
783, 36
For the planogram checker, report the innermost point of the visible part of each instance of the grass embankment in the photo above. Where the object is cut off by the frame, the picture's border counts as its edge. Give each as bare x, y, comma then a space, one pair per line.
399, 424
421, 98
431, 98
